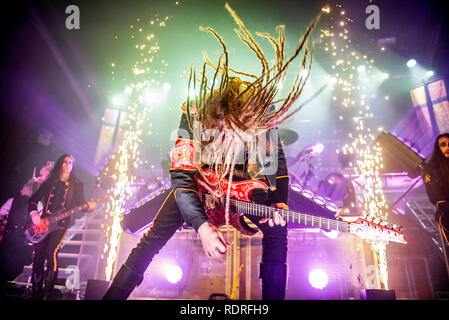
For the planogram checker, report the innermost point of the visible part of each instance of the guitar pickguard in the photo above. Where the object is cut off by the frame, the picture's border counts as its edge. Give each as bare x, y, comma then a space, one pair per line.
240, 190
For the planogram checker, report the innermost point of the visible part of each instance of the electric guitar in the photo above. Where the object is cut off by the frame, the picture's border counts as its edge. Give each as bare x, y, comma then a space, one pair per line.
241, 204
37, 233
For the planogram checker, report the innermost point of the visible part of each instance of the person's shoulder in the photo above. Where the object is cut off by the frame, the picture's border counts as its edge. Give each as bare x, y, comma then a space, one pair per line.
76, 181
429, 168
430, 174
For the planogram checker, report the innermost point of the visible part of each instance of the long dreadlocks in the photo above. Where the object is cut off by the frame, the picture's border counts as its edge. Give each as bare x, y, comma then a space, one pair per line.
239, 108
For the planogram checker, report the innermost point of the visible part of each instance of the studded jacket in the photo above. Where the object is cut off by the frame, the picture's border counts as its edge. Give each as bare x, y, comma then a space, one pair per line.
58, 195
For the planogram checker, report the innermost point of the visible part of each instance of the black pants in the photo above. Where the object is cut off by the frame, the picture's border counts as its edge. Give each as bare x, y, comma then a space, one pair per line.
169, 219
47, 250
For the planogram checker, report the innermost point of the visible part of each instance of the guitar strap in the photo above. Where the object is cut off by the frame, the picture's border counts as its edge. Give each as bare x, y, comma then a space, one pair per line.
269, 163
70, 193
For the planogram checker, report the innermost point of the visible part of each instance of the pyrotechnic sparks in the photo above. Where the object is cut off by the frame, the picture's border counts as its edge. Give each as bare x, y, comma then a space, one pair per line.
352, 83
137, 103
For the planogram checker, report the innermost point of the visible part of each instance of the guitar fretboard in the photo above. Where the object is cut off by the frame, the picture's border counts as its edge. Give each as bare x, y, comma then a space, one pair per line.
263, 211
68, 213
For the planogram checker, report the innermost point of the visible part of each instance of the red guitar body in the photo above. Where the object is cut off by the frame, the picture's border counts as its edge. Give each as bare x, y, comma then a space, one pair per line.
240, 190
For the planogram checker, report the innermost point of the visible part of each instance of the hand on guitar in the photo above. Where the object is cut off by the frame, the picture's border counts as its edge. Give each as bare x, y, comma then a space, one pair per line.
35, 217
92, 204
277, 218
213, 241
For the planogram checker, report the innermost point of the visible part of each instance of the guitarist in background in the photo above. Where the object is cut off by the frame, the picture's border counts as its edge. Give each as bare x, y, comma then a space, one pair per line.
436, 180
61, 190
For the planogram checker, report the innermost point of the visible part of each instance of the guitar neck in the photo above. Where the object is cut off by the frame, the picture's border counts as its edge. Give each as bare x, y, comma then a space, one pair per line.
263, 211
65, 214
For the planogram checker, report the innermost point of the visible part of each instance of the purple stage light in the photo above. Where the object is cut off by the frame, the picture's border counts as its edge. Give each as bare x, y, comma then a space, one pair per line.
319, 200
307, 193
331, 207
411, 63
296, 187
318, 278
173, 273
317, 148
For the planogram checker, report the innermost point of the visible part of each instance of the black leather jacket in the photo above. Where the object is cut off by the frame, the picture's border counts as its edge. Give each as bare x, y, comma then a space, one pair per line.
437, 190
58, 195
183, 177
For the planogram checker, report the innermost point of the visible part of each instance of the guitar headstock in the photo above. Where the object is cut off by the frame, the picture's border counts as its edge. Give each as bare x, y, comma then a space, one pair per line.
376, 229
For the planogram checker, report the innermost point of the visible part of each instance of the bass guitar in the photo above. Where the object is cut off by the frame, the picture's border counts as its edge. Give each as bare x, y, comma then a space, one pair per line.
36, 233
241, 204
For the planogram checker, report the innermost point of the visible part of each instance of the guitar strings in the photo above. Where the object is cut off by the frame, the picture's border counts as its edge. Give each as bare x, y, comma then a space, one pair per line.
265, 211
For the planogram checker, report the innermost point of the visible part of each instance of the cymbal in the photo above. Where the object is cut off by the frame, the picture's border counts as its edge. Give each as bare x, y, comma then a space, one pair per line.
288, 136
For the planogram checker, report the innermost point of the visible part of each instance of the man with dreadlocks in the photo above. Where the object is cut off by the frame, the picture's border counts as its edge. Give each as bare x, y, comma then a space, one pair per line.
217, 133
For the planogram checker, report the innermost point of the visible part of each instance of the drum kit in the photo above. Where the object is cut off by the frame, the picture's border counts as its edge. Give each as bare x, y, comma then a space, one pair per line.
288, 137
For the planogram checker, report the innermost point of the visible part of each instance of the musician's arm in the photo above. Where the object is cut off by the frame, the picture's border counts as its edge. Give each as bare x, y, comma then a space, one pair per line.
37, 196
185, 191
34, 200
182, 174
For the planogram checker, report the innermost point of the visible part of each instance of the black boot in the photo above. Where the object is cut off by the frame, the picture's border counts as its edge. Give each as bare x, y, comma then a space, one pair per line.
274, 280
49, 283
37, 289
123, 284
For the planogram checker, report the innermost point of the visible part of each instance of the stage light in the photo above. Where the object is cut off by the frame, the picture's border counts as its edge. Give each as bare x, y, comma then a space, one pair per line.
331, 206
318, 278
317, 148
150, 97
319, 200
411, 63
326, 9
307, 193
429, 73
117, 101
384, 76
173, 273
332, 81
166, 86
128, 90
361, 68
296, 187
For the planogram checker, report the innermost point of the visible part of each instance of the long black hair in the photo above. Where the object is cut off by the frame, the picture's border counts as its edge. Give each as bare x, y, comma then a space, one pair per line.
438, 163
54, 174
